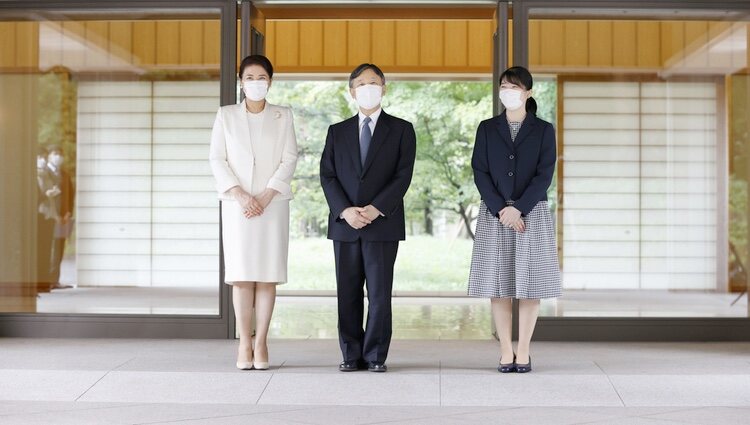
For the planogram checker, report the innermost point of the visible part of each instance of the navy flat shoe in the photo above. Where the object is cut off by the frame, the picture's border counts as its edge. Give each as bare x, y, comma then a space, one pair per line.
524, 368
507, 367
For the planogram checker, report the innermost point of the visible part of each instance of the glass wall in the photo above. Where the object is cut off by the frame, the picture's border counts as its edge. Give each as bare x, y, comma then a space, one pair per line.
651, 179
108, 200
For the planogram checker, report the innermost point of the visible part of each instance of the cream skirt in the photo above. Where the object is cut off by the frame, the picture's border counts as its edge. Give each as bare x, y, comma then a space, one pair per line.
255, 249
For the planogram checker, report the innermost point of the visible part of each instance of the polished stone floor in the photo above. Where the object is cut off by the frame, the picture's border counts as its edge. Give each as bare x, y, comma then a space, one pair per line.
123, 381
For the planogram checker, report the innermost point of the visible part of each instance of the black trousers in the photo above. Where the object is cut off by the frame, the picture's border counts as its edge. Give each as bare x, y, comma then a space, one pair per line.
359, 263
58, 250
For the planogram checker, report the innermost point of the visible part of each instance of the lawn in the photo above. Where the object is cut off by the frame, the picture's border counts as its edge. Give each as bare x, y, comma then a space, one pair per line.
424, 264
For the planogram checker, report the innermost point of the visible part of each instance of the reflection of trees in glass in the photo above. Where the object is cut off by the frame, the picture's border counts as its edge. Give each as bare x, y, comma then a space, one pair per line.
445, 116
57, 114
738, 180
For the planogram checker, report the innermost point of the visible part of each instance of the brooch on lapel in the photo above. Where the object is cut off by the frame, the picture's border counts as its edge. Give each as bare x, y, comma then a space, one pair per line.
277, 114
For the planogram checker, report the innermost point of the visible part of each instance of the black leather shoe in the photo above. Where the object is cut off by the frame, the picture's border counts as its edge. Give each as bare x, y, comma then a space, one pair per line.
348, 366
524, 368
377, 367
507, 367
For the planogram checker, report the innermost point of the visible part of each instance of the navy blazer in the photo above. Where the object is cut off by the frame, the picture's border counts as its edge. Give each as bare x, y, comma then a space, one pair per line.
519, 171
382, 181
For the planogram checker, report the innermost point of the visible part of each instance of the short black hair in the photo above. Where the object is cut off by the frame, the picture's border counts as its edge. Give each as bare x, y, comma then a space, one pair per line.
362, 68
256, 60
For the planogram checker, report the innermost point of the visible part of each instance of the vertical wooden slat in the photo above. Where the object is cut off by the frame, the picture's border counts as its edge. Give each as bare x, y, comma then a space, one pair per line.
167, 42
576, 43
718, 31
696, 42
360, 38
97, 44
648, 49
51, 51
480, 44
144, 43
334, 43
191, 43
407, 45
535, 43
74, 35
121, 42
456, 43
431, 43
384, 46
212, 43
8, 45
287, 43
600, 43
672, 41
311, 43
553, 43
271, 41
624, 44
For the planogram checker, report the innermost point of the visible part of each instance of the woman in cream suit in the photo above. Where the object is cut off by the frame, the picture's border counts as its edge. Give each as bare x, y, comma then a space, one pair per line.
253, 157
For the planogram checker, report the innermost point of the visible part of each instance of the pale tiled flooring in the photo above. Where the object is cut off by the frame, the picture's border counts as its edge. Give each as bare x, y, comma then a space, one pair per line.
114, 381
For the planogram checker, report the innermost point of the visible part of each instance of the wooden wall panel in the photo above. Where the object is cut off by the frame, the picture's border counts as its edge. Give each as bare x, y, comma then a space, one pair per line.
121, 42
600, 43
144, 47
535, 43
359, 40
552, 51
696, 42
191, 43
455, 40
672, 41
212, 43
167, 42
271, 41
75, 32
407, 43
384, 50
335, 43
647, 34
311, 43
576, 41
624, 44
97, 43
480, 45
287, 43
8, 44
431, 46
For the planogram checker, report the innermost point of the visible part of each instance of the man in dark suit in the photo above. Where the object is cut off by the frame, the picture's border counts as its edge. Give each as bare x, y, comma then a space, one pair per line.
63, 203
365, 170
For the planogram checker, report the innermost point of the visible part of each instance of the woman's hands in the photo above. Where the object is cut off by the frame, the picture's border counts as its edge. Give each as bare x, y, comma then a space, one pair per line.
511, 217
252, 206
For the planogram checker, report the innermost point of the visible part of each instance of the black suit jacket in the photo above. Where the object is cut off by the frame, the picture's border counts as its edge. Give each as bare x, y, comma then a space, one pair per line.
382, 181
520, 171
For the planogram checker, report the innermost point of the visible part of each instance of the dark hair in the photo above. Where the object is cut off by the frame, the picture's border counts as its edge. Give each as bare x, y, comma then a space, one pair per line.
54, 148
41, 151
256, 60
362, 68
521, 76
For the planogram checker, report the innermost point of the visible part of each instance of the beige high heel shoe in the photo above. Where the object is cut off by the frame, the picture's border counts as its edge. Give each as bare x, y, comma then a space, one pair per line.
245, 365
260, 365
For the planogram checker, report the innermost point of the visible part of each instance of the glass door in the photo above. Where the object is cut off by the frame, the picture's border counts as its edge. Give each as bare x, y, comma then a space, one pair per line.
109, 208
650, 107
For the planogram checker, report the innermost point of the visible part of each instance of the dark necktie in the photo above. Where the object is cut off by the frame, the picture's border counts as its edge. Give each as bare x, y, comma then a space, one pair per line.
365, 136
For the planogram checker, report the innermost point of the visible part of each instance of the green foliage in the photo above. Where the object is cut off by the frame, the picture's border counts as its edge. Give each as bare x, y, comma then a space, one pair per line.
445, 116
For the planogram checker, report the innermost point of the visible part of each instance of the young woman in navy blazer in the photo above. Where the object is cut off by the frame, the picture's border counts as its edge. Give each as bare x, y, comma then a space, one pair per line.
515, 253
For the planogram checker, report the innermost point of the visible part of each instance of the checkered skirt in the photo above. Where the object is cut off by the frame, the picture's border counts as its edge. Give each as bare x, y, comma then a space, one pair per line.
509, 264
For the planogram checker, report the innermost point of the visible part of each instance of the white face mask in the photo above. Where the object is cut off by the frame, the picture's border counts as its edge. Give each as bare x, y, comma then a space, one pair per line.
511, 99
368, 96
56, 160
41, 162
255, 90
